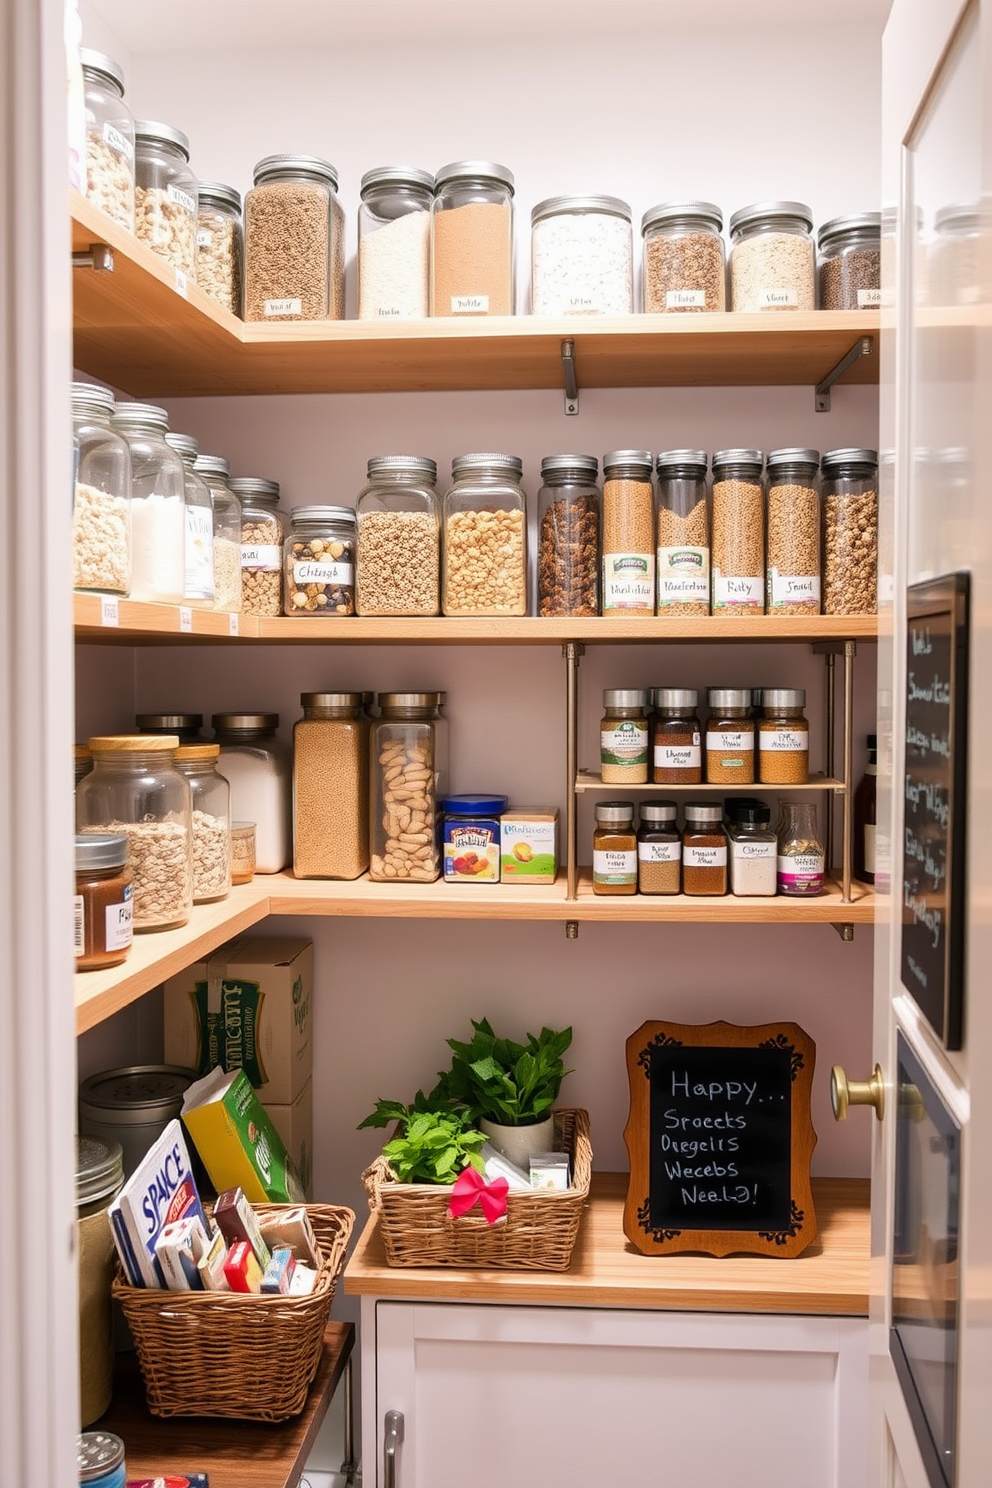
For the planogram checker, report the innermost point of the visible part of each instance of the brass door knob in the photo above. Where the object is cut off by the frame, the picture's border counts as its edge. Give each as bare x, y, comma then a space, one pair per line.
845, 1092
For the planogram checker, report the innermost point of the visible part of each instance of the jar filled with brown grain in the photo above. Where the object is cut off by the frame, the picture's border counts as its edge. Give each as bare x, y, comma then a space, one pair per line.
684, 265
738, 553
294, 241
319, 562
220, 245
850, 531
683, 534
331, 787
677, 753
399, 538
472, 239
704, 849
793, 547
659, 849
211, 800
165, 196
485, 537
729, 737
783, 737
409, 773
262, 535
851, 262
624, 737
772, 258
568, 506
614, 849
628, 533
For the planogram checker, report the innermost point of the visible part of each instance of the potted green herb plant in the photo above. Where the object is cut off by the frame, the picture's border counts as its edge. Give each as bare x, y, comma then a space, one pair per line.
433, 1143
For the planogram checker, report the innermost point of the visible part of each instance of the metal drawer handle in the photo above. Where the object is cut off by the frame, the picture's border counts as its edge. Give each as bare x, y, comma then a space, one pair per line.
393, 1438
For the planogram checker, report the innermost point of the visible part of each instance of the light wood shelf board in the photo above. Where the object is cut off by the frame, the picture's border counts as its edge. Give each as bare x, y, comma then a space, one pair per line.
138, 621
590, 780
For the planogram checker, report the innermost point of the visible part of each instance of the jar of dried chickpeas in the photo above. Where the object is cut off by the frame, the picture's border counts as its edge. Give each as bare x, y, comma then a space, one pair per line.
331, 787
783, 737
319, 562
738, 553
792, 585
409, 767
485, 537
628, 533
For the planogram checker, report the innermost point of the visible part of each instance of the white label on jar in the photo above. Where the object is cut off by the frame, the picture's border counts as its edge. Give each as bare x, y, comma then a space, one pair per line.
186, 619
659, 852
388, 312
683, 576
110, 610
747, 850
283, 307
783, 740
79, 925
610, 866
868, 299
626, 744
182, 287
685, 299
794, 588
118, 142
628, 581
740, 741
869, 848
309, 572
582, 305
199, 553
470, 304
182, 199
117, 923
265, 557
232, 625
204, 237
705, 857
678, 756
737, 591
777, 299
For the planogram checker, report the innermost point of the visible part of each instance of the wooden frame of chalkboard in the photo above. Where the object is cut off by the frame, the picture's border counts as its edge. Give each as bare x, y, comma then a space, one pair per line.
720, 1139
935, 802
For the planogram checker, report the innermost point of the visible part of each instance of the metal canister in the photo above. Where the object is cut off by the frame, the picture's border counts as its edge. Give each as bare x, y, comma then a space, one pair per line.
99, 1175
100, 1455
132, 1105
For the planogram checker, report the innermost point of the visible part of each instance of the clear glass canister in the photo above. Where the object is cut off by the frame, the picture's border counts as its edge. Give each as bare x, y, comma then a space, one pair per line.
186, 725
82, 761
753, 851
165, 194
409, 773
215, 471
850, 531
704, 849
259, 767
628, 533
581, 256
793, 544
109, 138
199, 526
614, 849
211, 800
103, 901
738, 549
399, 538
134, 789
729, 737
331, 787
220, 245
783, 737
683, 534
568, 513
677, 757
262, 536
801, 862
659, 849
684, 264
294, 241
472, 239
771, 257
319, 562
485, 537
953, 267
158, 505
851, 262
624, 737
394, 244
101, 508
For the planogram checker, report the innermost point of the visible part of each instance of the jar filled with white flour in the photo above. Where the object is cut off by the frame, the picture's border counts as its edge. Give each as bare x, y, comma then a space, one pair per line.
581, 256
158, 505
394, 244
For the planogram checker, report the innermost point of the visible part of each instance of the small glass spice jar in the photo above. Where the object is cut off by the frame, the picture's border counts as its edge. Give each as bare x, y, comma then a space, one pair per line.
729, 737
262, 536
394, 244
624, 737
801, 864
684, 266
850, 531
259, 767
409, 770
472, 239
753, 848
103, 901
485, 537
319, 562
109, 138
783, 737
738, 552
683, 555
677, 737
294, 241
772, 258
165, 195
211, 800
568, 518
581, 256
471, 838
614, 849
242, 852
199, 547
158, 505
628, 533
331, 787
399, 538
704, 849
793, 546
215, 471
100, 1460
220, 245
101, 507
851, 262
659, 849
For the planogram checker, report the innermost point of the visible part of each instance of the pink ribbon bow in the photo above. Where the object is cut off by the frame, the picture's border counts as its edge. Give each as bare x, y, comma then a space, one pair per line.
470, 1188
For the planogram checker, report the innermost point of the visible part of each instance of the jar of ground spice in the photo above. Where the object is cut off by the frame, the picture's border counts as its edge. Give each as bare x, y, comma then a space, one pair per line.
628, 533
294, 241
659, 849
792, 585
394, 244
331, 787
614, 849
485, 537
683, 534
581, 256
850, 531
676, 737
729, 737
704, 850
783, 737
738, 533
851, 262
472, 239
771, 257
103, 901
399, 538
568, 517
753, 850
684, 267
319, 562
624, 737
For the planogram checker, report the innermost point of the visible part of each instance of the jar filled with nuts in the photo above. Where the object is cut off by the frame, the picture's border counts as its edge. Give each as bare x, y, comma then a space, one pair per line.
262, 535
568, 507
399, 538
211, 802
851, 262
793, 548
485, 537
783, 737
158, 505
581, 256
771, 257
409, 757
738, 533
319, 562
850, 531
109, 138
628, 533
101, 508
394, 244
683, 534
165, 194
684, 267
227, 531
294, 241
220, 245
199, 526
331, 787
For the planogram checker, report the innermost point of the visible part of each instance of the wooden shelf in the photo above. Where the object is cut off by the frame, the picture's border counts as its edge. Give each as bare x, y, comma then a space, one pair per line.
590, 780
103, 618
830, 1279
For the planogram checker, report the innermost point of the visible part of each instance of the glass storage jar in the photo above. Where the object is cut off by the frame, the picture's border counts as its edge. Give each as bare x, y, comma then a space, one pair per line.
850, 531
399, 538
242, 852
165, 194
394, 244
211, 803
628, 533
851, 262
953, 266
684, 266
581, 256
199, 545
729, 737
101, 507
771, 257
568, 517
319, 561
624, 737
683, 528
220, 245
753, 851
409, 774
659, 849
801, 864
783, 737
135, 790
262, 535
82, 761
186, 725
331, 787
676, 737
109, 138
704, 849
215, 471
614, 849
294, 241
484, 554
259, 768
103, 900
793, 545
472, 239
158, 505
738, 546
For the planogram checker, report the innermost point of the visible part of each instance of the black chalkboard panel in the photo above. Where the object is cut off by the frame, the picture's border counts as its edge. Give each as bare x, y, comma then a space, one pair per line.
935, 801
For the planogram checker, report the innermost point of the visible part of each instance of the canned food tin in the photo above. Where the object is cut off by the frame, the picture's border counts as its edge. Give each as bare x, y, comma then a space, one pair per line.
132, 1105
100, 1456
471, 838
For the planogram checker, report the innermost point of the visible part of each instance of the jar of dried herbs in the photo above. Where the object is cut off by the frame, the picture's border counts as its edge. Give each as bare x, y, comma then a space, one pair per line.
624, 735
729, 737
614, 849
704, 849
800, 852
677, 742
783, 737
659, 849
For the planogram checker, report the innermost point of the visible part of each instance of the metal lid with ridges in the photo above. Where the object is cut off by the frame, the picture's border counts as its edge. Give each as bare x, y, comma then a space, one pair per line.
216, 194
92, 61
99, 1168
295, 167
771, 211
134, 743
960, 214
187, 753
556, 206
792, 457
137, 1091
255, 485
467, 170
783, 697
462, 464
556, 467
834, 459
395, 175
674, 697
97, 1454
673, 459
91, 395
839, 227
474, 805
319, 515
728, 697
703, 811
226, 723
142, 416
185, 445
151, 129
738, 457
100, 850
614, 813
703, 211
415, 464
625, 697
412, 699
213, 465
633, 459
659, 811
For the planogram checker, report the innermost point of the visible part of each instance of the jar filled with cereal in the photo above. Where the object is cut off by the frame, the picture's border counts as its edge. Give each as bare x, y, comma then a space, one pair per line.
165, 195
771, 257
262, 535
109, 138
220, 245
319, 562
101, 508
792, 583
399, 538
485, 537
850, 531
783, 737
211, 803
294, 241
409, 769
199, 526
331, 787
215, 471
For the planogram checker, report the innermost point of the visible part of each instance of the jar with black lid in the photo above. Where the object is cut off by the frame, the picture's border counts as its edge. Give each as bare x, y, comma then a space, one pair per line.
772, 258
659, 849
568, 514
199, 545
294, 241
165, 195
109, 138
851, 262
684, 265
850, 531
399, 538
793, 545
319, 562
753, 849
472, 239
220, 245
683, 534
103, 901
394, 244
215, 471
678, 755
186, 726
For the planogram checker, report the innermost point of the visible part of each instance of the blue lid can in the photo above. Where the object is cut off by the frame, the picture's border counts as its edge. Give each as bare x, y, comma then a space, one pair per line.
471, 838
100, 1458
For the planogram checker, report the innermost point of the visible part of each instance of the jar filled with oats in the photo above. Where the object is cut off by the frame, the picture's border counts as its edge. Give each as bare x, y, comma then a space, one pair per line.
165, 194
409, 760
199, 526
399, 538
738, 551
109, 138
628, 533
683, 534
211, 803
684, 267
485, 537
262, 536
294, 241
568, 520
772, 258
215, 471
319, 562
101, 508
850, 531
331, 787
220, 245
793, 548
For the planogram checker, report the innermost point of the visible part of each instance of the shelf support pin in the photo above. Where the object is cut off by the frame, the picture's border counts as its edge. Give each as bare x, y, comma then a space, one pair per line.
864, 346
571, 929
99, 258
569, 378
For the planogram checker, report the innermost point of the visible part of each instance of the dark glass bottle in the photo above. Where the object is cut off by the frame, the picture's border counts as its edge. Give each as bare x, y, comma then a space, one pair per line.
865, 817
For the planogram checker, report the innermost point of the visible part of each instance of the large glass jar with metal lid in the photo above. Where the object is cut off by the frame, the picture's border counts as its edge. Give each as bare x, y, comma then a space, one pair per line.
331, 787
684, 266
215, 471
319, 562
399, 538
683, 534
472, 239
738, 547
262, 535
186, 725
954, 258
793, 547
729, 736
199, 526
677, 751
850, 531
211, 802
581, 256
628, 533
568, 505
158, 505
134, 789
220, 245
783, 737
165, 194
485, 537
409, 768
394, 244
294, 241
851, 262
259, 767
109, 138
771, 257
101, 508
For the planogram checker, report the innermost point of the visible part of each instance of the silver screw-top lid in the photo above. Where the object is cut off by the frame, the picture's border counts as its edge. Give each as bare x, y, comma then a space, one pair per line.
630, 697
99, 1169
703, 811
659, 812
671, 460
561, 470
331, 699
97, 1454
615, 813
161, 134
834, 460
744, 457
91, 397
777, 459
184, 445
728, 697
395, 175
675, 697
403, 465
639, 462
689, 211
774, 212
256, 487
233, 723
556, 206
320, 514
839, 227
494, 464
478, 170
295, 168
213, 465
168, 723
100, 850
104, 66
140, 418
783, 697
216, 194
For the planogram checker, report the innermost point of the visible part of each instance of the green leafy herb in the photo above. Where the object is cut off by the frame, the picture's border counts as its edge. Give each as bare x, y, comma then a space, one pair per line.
388, 1112
510, 1083
434, 1148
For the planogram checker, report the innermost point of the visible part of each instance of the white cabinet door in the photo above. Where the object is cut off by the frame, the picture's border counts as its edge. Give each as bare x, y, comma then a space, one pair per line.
542, 1397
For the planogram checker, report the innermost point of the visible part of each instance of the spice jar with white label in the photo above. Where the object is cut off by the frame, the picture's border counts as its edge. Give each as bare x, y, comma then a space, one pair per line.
614, 849
109, 138
394, 244
101, 507
738, 553
158, 505
409, 773
165, 196
624, 737
684, 268
628, 533
801, 862
103, 900
677, 739
215, 471
771, 257
753, 849
294, 241
472, 239
704, 849
683, 534
659, 849
783, 737
729, 737
793, 547
581, 256
262, 534
199, 547
220, 245
319, 562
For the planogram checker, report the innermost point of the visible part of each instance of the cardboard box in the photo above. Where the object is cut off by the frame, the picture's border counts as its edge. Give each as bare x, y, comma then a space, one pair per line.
250, 1007
295, 1126
528, 845
237, 1141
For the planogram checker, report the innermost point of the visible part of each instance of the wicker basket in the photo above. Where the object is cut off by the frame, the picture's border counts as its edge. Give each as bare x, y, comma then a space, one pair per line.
225, 1354
538, 1233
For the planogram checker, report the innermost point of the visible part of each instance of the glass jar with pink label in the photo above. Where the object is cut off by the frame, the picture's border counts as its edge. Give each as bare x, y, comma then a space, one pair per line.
800, 851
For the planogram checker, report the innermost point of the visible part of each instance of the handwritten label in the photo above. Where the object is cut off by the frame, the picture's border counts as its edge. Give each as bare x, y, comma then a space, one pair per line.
869, 299
110, 610
287, 306
182, 199
470, 304
181, 285
730, 592
186, 619
777, 299
232, 625
685, 299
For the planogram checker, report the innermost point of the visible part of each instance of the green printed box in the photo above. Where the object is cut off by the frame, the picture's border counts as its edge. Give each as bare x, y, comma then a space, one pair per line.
295, 1126
237, 1140
528, 845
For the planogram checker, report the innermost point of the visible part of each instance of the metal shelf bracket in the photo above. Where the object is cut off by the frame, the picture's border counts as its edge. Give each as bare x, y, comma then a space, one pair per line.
846, 933
99, 257
569, 378
864, 346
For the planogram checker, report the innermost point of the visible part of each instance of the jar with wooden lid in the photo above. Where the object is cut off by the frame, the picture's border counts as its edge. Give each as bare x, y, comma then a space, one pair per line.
165, 196
331, 787
683, 554
259, 767
628, 533
472, 240
624, 737
850, 270
783, 737
614, 849
704, 849
199, 544
684, 266
569, 507
850, 531
398, 571
211, 801
109, 138
220, 245
738, 553
294, 241
103, 901
659, 849
772, 258
409, 770
394, 243
319, 562
729, 737
485, 537
101, 504
215, 471
677, 753
262, 536
158, 505
793, 547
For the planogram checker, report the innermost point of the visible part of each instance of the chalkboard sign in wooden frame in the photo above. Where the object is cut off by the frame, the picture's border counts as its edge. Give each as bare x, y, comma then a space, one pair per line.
720, 1139
935, 801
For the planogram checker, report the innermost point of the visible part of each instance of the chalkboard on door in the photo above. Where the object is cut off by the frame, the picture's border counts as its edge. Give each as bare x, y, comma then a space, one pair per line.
720, 1139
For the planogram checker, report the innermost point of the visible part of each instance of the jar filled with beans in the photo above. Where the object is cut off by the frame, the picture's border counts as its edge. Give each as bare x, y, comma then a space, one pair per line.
485, 537
399, 538
783, 737
850, 531
729, 737
738, 533
262, 534
851, 262
165, 195
771, 257
684, 267
793, 549
216, 471
676, 737
331, 787
294, 241
628, 533
319, 562
683, 534
409, 755
568, 506
220, 245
